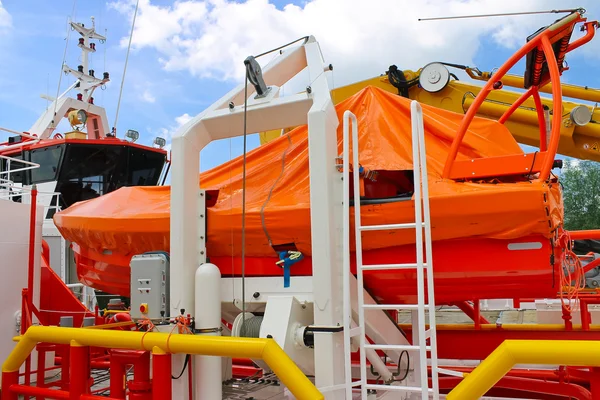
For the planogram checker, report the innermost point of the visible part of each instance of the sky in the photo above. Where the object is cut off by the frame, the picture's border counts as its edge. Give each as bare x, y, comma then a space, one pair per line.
186, 54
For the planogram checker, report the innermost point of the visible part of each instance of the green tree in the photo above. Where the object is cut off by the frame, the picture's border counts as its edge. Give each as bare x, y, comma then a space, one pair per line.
581, 190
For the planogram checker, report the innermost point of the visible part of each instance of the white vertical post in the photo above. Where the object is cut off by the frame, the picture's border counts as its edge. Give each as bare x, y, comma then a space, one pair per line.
346, 258
84, 56
359, 272
207, 370
326, 226
419, 247
417, 121
185, 252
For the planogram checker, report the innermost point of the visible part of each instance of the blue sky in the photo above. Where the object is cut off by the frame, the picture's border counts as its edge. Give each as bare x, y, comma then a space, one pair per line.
189, 53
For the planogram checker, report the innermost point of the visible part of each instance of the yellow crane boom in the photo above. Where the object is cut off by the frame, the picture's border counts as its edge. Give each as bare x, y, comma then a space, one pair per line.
580, 129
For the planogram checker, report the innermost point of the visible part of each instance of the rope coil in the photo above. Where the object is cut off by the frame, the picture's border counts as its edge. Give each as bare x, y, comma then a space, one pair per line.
572, 277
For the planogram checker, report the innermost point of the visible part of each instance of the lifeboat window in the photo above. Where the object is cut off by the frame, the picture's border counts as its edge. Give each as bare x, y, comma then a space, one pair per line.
386, 186
49, 160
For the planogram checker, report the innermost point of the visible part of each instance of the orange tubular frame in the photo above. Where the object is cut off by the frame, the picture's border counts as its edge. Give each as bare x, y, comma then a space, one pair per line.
496, 167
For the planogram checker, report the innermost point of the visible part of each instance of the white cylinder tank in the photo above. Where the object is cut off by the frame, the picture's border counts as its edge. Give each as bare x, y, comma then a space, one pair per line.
207, 369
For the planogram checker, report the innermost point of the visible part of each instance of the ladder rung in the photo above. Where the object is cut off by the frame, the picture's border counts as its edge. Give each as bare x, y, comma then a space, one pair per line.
398, 388
391, 306
389, 227
391, 266
354, 331
450, 372
407, 347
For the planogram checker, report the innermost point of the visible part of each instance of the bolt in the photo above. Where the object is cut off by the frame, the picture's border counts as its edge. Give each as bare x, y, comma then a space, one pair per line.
308, 90
231, 105
256, 295
269, 337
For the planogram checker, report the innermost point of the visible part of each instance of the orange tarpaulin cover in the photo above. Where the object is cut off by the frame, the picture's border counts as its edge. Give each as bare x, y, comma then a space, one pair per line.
134, 220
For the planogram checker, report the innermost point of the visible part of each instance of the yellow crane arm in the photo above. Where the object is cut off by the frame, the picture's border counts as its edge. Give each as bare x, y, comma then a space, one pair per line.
578, 140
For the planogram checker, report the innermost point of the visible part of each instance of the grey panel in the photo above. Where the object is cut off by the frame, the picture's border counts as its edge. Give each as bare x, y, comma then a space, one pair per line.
150, 285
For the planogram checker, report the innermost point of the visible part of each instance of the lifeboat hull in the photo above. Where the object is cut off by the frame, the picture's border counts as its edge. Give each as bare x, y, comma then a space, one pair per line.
463, 270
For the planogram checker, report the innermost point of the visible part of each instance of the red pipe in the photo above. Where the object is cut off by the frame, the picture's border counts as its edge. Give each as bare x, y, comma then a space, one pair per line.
595, 383
46, 251
546, 375
80, 371
539, 386
589, 27
117, 372
92, 397
41, 370
541, 119
32, 219
65, 351
44, 370
517, 104
161, 376
587, 234
41, 392
9, 379
140, 388
94, 364
472, 312
27, 374
527, 385
586, 317
556, 107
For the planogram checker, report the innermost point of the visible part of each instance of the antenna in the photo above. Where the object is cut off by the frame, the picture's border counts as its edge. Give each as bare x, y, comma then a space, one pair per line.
579, 10
137, 4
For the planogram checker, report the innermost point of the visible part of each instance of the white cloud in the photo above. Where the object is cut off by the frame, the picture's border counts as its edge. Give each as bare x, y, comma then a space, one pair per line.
168, 131
147, 96
183, 119
210, 39
5, 19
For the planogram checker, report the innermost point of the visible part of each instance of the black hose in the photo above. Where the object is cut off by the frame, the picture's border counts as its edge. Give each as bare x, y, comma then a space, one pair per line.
185, 363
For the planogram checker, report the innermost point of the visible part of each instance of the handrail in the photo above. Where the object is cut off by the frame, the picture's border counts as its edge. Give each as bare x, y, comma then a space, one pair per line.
29, 165
512, 352
221, 346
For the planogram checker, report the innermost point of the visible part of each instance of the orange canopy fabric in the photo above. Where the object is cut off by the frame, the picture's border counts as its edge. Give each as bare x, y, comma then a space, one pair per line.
134, 220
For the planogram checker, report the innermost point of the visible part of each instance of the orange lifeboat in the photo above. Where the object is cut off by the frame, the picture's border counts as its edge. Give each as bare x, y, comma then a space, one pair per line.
496, 212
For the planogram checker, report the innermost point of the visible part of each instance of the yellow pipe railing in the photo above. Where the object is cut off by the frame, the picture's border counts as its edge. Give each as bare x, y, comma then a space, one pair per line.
221, 346
512, 352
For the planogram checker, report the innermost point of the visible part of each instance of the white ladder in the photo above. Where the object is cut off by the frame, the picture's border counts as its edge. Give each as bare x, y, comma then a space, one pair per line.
422, 220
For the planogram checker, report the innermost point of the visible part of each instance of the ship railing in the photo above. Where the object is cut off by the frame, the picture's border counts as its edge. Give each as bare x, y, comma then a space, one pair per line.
84, 294
10, 190
161, 345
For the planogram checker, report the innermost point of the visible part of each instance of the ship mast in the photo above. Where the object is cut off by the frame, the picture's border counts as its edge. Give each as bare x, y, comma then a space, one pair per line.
87, 82
96, 123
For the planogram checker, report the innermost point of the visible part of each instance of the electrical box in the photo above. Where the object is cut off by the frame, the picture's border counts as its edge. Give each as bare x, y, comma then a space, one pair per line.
149, 285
